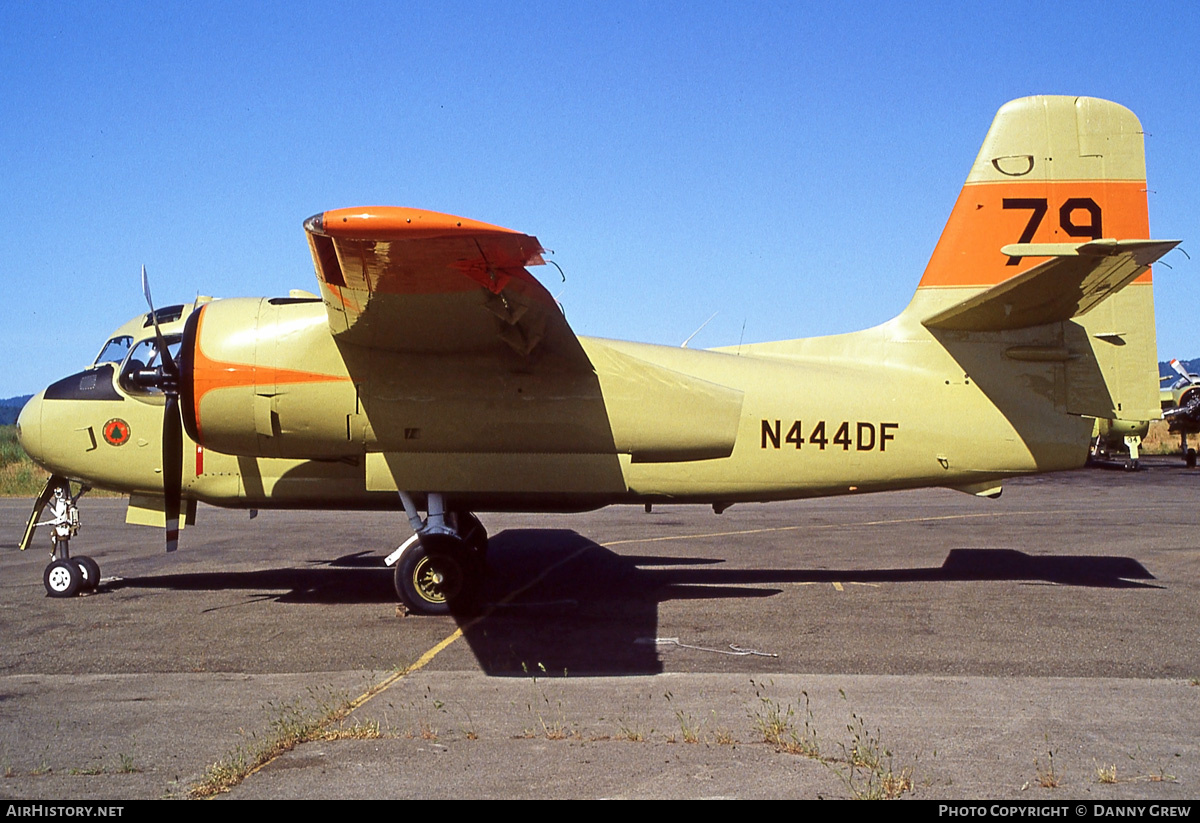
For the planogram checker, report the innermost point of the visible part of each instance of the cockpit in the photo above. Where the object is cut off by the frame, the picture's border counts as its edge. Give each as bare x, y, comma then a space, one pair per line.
145, 358
114, 350
132, 349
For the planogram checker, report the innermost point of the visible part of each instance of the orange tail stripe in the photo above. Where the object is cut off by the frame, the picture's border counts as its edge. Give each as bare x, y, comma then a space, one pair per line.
1059, 211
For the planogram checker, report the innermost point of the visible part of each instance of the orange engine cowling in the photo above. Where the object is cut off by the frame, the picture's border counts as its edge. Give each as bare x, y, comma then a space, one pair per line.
263, 377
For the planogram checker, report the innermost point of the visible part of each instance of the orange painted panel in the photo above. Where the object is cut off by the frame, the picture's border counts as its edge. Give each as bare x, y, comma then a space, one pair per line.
410, 251
991, 215
209, 375
394, 223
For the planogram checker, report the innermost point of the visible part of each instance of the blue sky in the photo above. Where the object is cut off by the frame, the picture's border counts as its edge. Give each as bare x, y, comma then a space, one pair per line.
787, 165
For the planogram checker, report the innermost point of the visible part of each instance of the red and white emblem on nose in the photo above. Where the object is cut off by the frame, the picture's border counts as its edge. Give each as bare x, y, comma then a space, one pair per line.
116, 432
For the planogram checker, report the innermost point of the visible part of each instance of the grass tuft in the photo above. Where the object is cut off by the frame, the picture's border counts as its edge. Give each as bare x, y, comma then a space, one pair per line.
291, 724
1048, 777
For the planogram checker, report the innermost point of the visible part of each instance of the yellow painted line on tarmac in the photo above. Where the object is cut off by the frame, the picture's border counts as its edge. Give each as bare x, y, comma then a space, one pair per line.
838, 587
425, 659
428, 657
439, 647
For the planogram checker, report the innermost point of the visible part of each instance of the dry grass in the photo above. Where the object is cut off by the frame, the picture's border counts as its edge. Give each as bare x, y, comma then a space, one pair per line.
1160, 441
1048, 777
292, 724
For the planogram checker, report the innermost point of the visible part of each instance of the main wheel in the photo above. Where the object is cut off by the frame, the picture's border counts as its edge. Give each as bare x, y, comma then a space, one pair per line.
62, 579
438, 575
90, 570
473, 533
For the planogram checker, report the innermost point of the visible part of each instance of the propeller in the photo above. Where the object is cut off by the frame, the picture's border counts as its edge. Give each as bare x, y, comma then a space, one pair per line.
1188, 408
1177, 366
166, 379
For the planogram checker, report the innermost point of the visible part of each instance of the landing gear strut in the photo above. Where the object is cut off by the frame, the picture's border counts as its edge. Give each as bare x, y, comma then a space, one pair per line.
438, 570
66, 576
1132, 442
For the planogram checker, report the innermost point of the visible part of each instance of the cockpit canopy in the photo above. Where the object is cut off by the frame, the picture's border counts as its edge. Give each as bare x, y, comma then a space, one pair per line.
145, 357
133, 347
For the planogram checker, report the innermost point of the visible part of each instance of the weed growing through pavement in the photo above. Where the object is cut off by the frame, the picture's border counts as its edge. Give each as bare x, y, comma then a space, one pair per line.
776, 722
1048, 777
866, 765
290, 725
1106, 774
431, 707
551, 718
689, 729
631, 731
125, 760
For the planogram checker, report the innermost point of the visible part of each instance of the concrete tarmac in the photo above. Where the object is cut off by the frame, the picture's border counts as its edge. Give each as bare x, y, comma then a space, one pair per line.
976, 648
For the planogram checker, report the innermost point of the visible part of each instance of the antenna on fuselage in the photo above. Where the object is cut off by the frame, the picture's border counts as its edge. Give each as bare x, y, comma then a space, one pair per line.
683, 345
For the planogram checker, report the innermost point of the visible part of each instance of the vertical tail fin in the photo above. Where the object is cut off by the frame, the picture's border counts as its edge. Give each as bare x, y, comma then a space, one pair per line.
1055, 173
1052, 170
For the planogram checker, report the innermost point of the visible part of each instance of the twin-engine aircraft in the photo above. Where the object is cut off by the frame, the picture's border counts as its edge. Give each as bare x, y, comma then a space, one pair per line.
433, 373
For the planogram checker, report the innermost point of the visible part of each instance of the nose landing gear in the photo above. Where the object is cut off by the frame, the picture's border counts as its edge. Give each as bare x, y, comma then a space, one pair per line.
66, 576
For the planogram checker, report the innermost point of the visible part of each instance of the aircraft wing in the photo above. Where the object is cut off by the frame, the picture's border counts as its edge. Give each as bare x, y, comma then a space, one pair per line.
1073, 282
420, 281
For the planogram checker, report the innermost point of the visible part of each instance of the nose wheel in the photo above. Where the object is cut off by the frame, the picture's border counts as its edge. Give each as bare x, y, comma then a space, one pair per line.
62, 579
66, 576
89, 569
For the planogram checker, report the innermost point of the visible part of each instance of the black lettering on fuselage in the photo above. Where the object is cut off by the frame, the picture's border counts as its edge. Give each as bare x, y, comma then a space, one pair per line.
866, 436
769, 433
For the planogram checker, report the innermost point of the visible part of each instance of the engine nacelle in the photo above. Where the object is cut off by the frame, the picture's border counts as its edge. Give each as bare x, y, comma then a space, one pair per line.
263, 377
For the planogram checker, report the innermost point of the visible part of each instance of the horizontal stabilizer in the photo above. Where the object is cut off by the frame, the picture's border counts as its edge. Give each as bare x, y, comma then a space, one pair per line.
1073, 282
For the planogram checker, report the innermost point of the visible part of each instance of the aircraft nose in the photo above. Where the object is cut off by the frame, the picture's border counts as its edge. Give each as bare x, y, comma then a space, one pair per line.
29, 427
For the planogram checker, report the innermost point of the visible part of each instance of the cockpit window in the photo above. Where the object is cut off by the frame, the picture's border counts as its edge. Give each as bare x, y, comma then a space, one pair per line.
114, 350
168, 314
145, 357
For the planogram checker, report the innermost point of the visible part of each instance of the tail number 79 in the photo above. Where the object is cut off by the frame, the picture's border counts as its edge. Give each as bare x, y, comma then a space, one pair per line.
1070, 218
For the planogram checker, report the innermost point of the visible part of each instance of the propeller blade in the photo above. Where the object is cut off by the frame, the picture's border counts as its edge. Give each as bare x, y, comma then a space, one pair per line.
172, 444
172, 433
1177, 366
168, 363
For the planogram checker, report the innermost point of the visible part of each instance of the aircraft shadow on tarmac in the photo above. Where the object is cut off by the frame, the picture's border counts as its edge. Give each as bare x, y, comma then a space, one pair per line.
558, 603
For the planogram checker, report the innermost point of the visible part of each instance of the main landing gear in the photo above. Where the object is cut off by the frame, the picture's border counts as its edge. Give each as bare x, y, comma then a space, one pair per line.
438, 570
66, 576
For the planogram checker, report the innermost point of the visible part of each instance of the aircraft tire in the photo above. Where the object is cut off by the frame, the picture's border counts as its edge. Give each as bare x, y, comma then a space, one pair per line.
473, 534
62, 578
437, 576
90, 570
